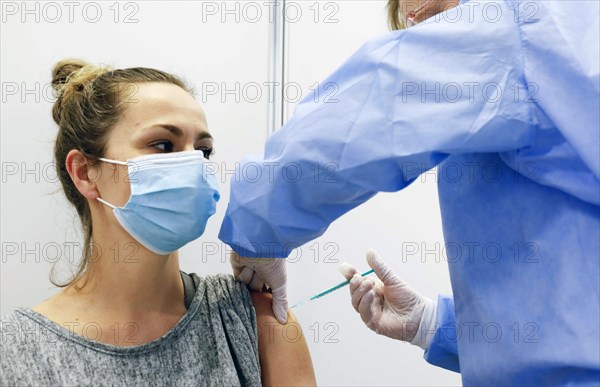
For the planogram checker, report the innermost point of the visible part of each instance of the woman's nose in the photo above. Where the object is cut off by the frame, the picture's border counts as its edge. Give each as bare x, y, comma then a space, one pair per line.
189, 147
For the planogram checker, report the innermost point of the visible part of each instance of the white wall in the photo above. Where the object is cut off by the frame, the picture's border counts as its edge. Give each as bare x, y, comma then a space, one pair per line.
187, 39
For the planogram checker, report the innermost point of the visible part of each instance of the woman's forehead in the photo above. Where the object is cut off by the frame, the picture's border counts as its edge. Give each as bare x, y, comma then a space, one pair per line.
163, 102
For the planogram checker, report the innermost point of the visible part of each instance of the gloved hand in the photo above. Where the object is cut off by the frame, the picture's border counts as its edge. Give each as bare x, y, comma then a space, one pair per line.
388, 305
258, 272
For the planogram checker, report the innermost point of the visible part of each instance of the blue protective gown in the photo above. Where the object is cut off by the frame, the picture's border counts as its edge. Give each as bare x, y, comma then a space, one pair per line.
504, 98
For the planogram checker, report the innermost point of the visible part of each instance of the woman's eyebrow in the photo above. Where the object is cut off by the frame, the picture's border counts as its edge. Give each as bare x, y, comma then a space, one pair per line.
175, 130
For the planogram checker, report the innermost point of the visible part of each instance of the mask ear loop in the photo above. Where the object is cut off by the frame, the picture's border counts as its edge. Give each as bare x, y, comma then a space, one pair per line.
105, 202
112, 162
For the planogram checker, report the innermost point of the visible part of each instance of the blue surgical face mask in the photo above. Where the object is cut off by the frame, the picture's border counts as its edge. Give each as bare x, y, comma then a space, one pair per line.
172, 197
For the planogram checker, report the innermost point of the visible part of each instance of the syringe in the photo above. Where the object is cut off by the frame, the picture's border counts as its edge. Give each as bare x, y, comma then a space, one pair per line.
336, 287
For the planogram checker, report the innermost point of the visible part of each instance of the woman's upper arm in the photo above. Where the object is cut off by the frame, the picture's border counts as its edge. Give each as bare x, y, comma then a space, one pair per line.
284, 356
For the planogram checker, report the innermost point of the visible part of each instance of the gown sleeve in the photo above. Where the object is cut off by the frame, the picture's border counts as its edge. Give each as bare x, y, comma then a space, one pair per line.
396, 108
443, 349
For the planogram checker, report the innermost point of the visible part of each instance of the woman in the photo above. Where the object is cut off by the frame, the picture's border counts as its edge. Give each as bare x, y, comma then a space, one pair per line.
130, 316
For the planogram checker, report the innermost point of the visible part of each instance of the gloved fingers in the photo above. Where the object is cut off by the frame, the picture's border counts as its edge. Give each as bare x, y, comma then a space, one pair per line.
347, 270
372, 311
274, 273
385, 274
355, 282
235, 265
376, 282
280, 303
257, 283
357, 295
236, 271
245, 275
379, 288
365, 308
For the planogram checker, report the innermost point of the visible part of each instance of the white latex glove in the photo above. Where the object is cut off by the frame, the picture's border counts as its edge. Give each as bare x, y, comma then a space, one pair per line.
389, 306
258, 272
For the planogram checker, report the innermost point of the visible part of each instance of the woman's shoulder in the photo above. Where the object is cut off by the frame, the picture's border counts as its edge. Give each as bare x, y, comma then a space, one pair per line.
223, 286
22, 336
225, 311
222, 292
16, 328
24, 329
225, 290
220, 280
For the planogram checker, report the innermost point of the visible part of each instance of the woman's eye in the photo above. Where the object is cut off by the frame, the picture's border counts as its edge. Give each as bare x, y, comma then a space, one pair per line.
163, 145
208, 152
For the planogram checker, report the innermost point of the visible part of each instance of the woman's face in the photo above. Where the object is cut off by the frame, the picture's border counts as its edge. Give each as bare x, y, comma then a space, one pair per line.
158, 118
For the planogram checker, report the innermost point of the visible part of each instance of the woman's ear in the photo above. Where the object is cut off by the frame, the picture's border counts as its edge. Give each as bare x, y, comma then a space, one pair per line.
83, 176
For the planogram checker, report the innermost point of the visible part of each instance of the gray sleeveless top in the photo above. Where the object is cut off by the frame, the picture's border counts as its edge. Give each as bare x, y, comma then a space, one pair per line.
214, 344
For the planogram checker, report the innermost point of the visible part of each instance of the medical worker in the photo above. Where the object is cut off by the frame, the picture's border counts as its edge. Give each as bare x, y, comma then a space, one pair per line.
501, 96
